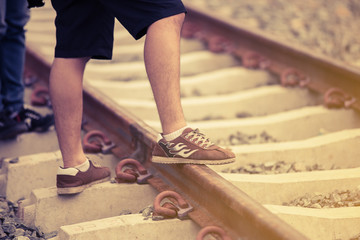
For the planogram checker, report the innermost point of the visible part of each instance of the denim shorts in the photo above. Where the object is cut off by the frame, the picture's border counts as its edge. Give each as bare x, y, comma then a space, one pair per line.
85, 28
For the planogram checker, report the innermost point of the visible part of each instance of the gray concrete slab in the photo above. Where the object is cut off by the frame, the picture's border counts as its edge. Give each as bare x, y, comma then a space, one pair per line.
268, 100
321, 224
130, 227
289, 186
39, 171
49, 211
328, 150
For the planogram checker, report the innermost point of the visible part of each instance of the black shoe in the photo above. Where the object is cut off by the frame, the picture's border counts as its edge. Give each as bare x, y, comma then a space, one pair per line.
34, 120
9, 128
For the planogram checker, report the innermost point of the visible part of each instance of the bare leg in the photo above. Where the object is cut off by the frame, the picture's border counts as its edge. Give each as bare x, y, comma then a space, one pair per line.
66, 96
162, 61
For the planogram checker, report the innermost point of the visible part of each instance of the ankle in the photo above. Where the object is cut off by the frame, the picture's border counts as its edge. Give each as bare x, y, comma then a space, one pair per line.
174, 126
74, 162
171, 136
84, 166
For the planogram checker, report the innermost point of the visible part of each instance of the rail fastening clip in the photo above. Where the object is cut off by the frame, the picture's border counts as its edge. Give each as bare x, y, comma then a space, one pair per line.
183, 207
95, 141
130, 170
212, 230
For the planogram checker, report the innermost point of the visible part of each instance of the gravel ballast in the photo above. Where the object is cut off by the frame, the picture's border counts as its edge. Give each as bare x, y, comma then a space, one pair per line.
328, 27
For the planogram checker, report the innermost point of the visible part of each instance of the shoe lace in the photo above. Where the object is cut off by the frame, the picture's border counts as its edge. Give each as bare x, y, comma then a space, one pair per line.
199, 138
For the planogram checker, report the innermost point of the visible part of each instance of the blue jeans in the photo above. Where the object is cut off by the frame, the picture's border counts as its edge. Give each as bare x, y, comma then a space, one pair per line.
14, 14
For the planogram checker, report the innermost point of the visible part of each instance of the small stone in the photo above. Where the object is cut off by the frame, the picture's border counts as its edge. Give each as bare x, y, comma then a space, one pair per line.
125, 212
50, 235
2, 233
157, 218
14, 160
29, 233
4, 205
316, 205
327, 196
344, 196
235, 141
9, 228
248, 168
146, 212
34, 234
306, 202
316, 199
251, 22
258, 170
287, 167
19, 232
335, 197
299, 167
269, 165
21, 238
297, 24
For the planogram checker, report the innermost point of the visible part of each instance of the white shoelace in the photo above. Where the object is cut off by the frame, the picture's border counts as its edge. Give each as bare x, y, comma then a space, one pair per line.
199, 138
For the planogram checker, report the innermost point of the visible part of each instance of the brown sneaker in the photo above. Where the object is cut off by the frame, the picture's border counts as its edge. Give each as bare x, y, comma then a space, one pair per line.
76, 181
191, 147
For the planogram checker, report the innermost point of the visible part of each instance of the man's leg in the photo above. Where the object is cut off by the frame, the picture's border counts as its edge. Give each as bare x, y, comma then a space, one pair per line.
89, 35
178, 144
162, 61
66, 96
78, 173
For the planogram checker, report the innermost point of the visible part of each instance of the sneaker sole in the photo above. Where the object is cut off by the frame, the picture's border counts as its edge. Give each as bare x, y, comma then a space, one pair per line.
167, 160
79, 189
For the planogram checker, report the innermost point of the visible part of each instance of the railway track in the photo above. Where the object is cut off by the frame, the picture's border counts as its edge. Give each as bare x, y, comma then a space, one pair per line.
262, 98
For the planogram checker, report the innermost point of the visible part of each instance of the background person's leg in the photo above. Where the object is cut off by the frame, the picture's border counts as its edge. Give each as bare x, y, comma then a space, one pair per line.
12, 53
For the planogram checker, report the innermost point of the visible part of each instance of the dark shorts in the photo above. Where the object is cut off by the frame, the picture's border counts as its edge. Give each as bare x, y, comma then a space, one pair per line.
85, 28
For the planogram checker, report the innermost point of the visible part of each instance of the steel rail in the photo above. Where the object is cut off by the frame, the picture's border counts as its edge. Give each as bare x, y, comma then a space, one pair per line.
324, 73
215, 200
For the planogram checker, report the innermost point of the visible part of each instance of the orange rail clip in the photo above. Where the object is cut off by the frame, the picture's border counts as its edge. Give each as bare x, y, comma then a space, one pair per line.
337, 98
30, 80
292, 77
95, 141
40, 96
255, 60
212, 229
183, 207
138, 174
219, 44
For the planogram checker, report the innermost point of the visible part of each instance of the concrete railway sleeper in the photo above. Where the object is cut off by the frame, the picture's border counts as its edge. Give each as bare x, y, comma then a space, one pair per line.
284, 98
